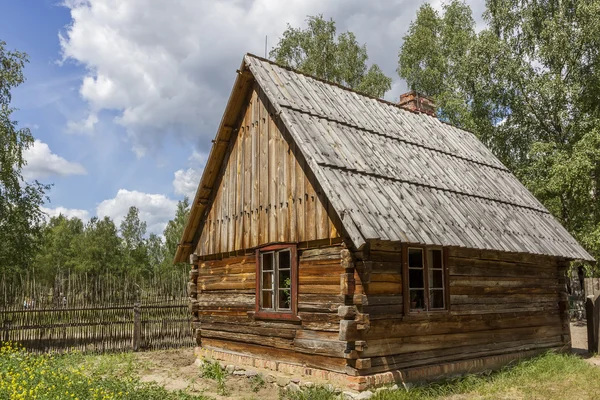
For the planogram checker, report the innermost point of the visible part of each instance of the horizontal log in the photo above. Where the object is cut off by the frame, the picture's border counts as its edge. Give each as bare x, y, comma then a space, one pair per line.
412, 344
333, 348
276, 354
262, 340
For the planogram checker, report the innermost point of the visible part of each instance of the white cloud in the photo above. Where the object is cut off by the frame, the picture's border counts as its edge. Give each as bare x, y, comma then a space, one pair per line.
186, 181
166, 67
86, 125
83, 215
155, 209
42, 163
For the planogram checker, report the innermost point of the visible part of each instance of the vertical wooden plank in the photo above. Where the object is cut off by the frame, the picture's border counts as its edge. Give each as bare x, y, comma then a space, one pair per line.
291, 192
239, 198
300, 202
255, 175
247, 181
310, 209
591, 325
272, 178
263, 234
282, 219
232, 172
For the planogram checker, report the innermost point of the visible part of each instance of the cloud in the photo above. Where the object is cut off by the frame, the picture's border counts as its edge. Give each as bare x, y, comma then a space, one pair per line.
42, 163
155, 209
186, 181
165, 68
83, 215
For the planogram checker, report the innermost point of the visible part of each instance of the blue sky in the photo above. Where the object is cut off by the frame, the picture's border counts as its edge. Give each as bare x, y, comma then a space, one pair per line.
124, 96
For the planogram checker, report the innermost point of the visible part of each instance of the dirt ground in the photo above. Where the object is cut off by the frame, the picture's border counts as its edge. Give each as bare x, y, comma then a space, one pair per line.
176, 369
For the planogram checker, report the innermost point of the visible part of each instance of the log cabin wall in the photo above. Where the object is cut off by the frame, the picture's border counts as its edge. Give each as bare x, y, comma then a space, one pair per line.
264, 193
499, 303
222, 296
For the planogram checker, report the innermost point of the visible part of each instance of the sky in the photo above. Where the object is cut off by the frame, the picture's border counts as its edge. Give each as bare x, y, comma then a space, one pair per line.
124, 97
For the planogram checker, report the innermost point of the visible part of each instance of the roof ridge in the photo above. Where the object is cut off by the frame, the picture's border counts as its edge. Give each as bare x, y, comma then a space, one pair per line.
351, 125
390, 103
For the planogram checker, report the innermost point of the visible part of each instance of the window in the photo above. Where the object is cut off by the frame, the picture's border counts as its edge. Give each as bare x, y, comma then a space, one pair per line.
276, 286
426, 280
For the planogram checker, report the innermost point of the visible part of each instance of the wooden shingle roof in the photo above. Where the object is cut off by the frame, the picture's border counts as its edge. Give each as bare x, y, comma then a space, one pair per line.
395, 175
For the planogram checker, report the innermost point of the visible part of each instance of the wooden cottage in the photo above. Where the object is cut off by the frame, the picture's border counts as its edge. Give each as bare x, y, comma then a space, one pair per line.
345, 237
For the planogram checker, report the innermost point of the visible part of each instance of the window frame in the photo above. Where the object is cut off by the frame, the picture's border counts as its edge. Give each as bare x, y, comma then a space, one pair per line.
427, 295
292, 313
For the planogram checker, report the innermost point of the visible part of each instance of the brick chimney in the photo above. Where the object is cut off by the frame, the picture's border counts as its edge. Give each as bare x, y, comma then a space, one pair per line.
415, 101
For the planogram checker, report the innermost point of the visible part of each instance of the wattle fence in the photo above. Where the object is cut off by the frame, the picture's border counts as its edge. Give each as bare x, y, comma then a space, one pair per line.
97, 315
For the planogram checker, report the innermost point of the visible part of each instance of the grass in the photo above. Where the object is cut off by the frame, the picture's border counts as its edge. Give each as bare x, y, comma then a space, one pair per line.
116, 376
74, 376
550, 376
213, 370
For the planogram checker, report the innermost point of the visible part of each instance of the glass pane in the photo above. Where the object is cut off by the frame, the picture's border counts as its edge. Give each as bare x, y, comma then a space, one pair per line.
267, 280
267, 261
285, 299
436, 279
285, 261
415, 258
285, 279
267, 299
417, 299
415, 279
436, 298
434, 259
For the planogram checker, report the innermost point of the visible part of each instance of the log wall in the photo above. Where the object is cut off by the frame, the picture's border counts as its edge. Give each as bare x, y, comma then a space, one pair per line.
499, 303
222, 303
264, 193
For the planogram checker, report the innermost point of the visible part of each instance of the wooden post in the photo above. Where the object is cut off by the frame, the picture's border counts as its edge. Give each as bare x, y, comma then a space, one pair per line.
137, 327
591, 324
6, 329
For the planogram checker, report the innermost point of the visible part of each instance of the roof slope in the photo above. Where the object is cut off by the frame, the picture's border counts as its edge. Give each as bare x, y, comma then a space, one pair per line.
395, 175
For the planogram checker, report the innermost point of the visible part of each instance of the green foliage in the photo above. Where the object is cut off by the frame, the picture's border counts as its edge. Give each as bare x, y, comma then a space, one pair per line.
257, 382
316, 50
528, 85
20, 201
318, 392
133, 244
27, 376
213, 370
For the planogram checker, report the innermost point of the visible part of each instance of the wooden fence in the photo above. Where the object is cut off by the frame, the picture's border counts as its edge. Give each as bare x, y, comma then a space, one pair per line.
94, 315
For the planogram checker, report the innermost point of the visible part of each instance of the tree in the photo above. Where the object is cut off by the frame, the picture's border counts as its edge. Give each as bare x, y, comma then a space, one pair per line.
174, 229
317, 51
528, 85
135, 252
20, 215
58, 252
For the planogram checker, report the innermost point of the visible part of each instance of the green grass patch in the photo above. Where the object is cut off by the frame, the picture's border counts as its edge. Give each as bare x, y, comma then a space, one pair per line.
550, 376
213, 370
74, 376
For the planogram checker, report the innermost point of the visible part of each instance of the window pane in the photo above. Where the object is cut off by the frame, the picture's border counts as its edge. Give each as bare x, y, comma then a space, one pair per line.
415, 258
436, 298
285, 299
417, 299
415, 279
434, 259
436, 279
285, 261
285, 279
267, 299
267, 280
267, 262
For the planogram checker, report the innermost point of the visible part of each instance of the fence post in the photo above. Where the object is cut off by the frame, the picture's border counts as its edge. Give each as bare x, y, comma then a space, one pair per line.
137, 327
6, 329
592, 331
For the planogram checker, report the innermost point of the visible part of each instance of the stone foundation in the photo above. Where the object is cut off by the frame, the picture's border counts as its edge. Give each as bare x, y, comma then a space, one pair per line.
360, 383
